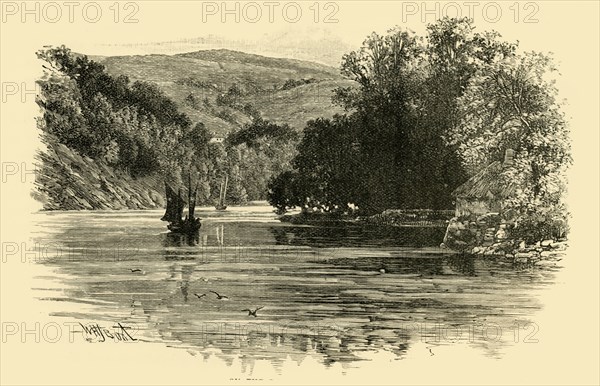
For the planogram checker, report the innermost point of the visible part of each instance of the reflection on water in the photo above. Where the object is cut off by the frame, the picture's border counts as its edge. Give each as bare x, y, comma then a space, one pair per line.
181, 239
331, 292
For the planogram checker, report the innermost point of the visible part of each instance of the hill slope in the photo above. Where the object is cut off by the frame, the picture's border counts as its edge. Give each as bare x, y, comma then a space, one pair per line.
66, 180
284, 90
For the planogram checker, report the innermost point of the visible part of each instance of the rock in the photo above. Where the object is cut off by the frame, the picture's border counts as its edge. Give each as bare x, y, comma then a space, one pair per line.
489, 218
545, 263
524, 255
501, 234
560, 246
546, 243
86, 205
556, 255
545, 254
382, 270
131, 204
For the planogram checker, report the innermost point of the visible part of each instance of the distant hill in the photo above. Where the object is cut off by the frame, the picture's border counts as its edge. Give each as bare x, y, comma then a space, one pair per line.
283, 90
314, 43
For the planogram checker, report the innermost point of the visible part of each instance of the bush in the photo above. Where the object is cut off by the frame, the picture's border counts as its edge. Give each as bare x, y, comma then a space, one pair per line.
284, 192
541, 223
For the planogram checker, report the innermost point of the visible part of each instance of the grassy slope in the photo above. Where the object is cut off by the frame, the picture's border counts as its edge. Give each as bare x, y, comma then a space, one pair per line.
259, 77
68, 181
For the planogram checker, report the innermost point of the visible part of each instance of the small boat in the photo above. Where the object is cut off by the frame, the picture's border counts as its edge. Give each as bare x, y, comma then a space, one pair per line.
174, 211
221, 205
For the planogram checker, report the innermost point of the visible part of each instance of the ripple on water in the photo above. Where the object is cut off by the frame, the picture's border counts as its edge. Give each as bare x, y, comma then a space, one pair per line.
330, 292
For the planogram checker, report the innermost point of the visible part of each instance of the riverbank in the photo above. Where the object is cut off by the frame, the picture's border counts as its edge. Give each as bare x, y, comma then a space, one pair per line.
547, 252
66, 180
316, 218
491, 235
389, 217
486, 237
410, 217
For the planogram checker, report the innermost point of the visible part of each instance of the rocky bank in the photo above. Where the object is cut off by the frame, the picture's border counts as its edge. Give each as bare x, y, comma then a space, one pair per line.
66, 180
490, 235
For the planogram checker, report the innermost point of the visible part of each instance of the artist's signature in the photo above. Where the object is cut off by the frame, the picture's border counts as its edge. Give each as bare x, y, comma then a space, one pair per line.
93, 332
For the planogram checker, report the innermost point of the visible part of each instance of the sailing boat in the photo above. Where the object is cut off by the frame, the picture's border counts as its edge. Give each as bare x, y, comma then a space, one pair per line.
175, 206
221, 205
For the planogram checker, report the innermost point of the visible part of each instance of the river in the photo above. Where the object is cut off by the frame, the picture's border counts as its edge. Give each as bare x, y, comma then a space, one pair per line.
332, 292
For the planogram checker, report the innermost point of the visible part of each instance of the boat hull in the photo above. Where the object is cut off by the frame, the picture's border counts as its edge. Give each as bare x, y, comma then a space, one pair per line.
185, 226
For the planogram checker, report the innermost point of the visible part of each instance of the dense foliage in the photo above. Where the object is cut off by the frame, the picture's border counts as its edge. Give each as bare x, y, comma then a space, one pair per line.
424, 115
136, 127
511, 103
428, 113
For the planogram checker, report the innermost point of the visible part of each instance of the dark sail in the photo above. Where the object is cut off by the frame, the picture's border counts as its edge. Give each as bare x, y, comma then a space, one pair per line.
175, 205
221, 205
191, 197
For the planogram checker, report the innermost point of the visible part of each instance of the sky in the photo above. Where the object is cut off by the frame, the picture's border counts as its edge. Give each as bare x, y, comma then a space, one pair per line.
151, 27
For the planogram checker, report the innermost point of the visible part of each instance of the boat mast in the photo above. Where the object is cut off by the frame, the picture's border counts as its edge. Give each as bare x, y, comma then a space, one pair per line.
224, 190
190, 204
221, 194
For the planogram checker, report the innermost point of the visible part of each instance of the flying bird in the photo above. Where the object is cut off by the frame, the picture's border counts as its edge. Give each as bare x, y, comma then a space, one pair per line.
220, 297
253, 312
136, 270
429, 348
200, 296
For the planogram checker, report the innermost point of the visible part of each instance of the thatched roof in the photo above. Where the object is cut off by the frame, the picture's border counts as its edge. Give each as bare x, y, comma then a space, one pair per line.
488, 184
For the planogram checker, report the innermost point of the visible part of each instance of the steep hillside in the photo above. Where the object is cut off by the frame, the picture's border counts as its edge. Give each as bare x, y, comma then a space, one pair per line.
102, 154
284, 90
68, 181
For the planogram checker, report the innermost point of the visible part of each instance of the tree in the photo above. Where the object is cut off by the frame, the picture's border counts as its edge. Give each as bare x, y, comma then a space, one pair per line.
152, 100
265, 149
403, 119
329, 162
258, 129
454, 53
133, 127
403, 115
285, 191
387, 70
511, 104
62, 117
326, 170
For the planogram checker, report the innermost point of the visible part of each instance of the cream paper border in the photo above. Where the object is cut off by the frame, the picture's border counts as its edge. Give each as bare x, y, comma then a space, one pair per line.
567, 352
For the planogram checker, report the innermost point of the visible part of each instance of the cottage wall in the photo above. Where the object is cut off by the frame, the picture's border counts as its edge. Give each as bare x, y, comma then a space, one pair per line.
466, 207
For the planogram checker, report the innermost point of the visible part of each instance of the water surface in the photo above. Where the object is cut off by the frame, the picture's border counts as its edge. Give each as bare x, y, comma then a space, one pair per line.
333, 292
